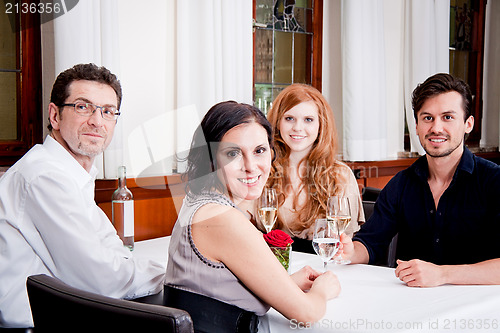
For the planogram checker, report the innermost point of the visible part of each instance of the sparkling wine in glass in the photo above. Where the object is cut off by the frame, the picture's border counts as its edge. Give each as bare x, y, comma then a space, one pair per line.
326, 240
268, 208
339, 215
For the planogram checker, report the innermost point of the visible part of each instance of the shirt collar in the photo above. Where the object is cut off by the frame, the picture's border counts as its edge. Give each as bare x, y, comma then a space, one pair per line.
81, 176
467, 161
466, 164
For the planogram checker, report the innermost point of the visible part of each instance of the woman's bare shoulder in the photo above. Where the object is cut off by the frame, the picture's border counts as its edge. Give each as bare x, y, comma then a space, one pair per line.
213, 213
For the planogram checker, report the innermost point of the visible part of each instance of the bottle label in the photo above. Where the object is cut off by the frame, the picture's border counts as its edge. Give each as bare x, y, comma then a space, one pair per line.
128, 218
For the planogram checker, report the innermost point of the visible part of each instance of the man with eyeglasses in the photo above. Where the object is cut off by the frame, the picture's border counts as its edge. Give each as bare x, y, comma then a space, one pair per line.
49, 221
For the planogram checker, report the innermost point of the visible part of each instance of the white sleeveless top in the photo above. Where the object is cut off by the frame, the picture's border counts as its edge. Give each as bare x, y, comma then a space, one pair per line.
188, 269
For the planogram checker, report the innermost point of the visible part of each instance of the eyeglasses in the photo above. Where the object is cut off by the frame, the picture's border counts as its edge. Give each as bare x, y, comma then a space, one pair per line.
88, 109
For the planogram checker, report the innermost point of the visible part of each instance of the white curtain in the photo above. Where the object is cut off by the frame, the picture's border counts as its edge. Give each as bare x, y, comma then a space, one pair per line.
214, 60
363, 79
426, 50
388, 47
174, 58
147, 46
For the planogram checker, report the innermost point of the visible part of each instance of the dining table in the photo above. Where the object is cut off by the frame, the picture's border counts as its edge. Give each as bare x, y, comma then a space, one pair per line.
373, 299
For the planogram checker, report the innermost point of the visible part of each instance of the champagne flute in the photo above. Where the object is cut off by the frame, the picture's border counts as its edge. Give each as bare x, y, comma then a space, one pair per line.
268, 208
326, 240
339, 214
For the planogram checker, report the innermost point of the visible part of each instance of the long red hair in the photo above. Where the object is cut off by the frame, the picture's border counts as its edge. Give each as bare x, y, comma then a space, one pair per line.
324, 176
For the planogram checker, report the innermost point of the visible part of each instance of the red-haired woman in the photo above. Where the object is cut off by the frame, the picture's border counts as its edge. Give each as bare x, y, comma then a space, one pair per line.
306, 170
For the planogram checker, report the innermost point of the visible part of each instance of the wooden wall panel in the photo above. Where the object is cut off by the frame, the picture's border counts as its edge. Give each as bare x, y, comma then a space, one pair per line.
156, 203
379, 173
153, 217
158, 199
379, 182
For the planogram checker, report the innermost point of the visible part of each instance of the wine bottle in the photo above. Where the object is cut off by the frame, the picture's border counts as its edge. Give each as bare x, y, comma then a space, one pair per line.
122, 202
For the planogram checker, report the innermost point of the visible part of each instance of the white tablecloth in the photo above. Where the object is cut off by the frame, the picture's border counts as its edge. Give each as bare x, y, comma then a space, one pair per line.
374, 300
156, 248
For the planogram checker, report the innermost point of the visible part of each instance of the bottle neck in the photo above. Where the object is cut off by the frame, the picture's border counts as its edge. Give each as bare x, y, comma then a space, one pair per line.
122, 177
122, 182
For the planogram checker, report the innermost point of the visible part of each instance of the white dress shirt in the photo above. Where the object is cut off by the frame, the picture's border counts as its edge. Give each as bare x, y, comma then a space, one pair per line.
50, 224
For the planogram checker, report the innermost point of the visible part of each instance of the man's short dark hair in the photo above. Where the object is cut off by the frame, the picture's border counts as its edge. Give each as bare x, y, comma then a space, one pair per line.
89, 72
439, 84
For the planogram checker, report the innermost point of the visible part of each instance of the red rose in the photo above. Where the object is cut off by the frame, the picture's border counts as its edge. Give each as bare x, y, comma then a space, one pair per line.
278, 238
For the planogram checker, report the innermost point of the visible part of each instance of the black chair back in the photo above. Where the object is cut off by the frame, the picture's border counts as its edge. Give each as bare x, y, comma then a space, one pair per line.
369, 193
370, 196
57, 307
211, 315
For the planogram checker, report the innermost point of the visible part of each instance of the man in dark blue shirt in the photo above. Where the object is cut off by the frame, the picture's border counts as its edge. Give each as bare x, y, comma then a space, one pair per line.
445, 207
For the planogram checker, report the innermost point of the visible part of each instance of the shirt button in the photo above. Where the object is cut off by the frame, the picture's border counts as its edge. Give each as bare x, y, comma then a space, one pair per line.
432, 211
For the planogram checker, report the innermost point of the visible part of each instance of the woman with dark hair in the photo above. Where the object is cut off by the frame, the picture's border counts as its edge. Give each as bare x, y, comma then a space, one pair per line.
220, 269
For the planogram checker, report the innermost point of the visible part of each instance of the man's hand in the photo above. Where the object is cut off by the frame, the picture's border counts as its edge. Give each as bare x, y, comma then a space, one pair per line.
418, 273
353, 251
346, 249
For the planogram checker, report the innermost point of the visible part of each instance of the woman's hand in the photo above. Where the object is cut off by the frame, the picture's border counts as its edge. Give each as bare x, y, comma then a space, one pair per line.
327, 284
305, 277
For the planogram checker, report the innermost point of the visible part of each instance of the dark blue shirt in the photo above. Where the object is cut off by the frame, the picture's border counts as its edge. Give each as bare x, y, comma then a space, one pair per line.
463, 229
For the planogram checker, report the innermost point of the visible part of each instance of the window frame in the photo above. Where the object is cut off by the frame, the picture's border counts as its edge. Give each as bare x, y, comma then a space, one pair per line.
476, 64
317, 48
317, 54
29, 92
